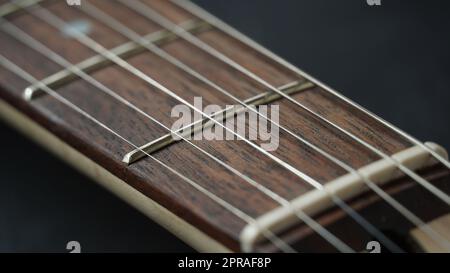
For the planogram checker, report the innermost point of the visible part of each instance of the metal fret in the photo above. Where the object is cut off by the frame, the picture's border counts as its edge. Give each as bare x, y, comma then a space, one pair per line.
7, 64
163, 21
166, 140
99, 61
217, 23
204, 124
12, 8
280, 95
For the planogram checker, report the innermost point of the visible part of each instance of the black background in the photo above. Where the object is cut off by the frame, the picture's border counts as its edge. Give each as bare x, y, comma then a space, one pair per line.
394, 59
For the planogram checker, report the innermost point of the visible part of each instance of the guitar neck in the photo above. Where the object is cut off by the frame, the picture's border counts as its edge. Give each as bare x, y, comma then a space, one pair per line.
98, 84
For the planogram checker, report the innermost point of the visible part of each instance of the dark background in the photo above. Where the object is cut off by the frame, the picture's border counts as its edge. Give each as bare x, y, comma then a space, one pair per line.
394, 59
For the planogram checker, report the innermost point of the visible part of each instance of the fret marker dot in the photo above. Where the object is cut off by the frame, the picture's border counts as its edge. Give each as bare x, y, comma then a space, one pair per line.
74, 28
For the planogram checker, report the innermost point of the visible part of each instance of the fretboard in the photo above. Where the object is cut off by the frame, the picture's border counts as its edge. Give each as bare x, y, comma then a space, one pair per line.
103, 79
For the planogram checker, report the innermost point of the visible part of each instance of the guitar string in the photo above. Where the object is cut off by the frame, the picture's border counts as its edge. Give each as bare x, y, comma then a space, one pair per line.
114, 24
34, 44
55, 21
46, 15
6, 63
12, 30
167, 24
127, 67
129, 33
305, 218
95, 46
150, 14
219, 24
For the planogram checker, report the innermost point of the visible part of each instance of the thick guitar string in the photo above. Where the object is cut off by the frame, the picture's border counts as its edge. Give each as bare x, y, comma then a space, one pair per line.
219, 24
403, 210
127, 32
27, 40
240, 214
167, 24
97, 46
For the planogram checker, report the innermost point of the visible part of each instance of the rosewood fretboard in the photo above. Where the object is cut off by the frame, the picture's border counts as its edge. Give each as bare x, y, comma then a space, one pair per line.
162, 185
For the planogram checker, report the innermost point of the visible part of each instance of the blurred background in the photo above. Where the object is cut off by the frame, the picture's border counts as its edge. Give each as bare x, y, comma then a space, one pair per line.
394, 59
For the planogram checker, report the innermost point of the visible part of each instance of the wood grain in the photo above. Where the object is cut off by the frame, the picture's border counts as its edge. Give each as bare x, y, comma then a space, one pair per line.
157, 182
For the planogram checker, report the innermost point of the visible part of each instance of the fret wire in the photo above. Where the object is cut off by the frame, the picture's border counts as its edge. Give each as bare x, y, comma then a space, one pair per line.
54, 20
342, 247
219, 24
125, 50
164, 22
305, 218
211, 19
156, 17
260, 99
138, 73
46, 15
240, 214
127, 32
14, 31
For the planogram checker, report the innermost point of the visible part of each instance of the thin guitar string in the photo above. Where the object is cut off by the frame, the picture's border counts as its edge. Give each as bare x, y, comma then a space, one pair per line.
34, 44
129, 33
341, 248
6, 63
305, 218
114, 24
164, 22
46, 15
211, 19
279, 199
156, 17
55, 21
124, 64
146, 11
